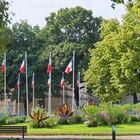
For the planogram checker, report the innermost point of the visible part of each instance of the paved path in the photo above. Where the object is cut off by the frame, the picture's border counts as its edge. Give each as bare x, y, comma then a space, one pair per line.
72, 137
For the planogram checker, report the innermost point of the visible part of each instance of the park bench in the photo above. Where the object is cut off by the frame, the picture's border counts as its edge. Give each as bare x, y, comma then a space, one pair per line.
13, 130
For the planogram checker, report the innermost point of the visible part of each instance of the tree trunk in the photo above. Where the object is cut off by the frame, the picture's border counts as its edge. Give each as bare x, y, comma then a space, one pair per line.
135, 98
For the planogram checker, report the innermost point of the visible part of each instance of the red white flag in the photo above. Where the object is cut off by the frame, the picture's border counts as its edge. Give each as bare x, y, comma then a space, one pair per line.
22, 67
49, 82
49, 69
62, 81
3, 66
33, 82
18, 82
69, 67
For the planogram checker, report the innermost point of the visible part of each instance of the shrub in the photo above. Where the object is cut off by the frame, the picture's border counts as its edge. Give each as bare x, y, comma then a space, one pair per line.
51, 122
14, 120
91, 114
64, 111
104, 118
3, 120
38, 115
136, 108
113, 114
76, 119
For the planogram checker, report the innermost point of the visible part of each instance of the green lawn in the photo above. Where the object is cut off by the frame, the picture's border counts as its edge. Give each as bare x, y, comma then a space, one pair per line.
131, 128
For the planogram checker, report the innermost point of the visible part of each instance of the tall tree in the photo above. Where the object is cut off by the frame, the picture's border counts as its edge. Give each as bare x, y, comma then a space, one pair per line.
4, 35
23, 39
114, 68
67, 30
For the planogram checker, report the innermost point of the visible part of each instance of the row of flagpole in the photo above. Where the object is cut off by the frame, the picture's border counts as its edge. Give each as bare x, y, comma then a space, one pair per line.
69, 68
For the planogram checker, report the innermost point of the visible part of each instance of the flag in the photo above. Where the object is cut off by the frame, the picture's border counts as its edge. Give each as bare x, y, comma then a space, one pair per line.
78, 79
33, 82
62, 81
3, 66
49, 69
69, 67
22, 67
18, 82
49, 82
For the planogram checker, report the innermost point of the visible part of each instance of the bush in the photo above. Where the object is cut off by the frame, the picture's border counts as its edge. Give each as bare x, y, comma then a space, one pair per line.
14, 120
64, 111
91, 114
136, 108
114, 114
3, 120
38, 115
63, 121
76, 119
51, 122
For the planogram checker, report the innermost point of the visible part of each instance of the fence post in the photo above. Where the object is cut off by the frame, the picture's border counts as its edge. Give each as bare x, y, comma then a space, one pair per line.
23, 132
113, 133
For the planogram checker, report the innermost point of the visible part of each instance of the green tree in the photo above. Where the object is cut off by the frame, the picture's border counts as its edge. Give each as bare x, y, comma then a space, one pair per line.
4, 35
23, 39
68, 30
72, 25
114, 65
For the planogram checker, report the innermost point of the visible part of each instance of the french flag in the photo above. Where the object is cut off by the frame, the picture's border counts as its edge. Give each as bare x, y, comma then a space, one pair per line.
3, 66
49, 82
62, 81
18, 82
22, 67
49, 69
69, 67
33, 82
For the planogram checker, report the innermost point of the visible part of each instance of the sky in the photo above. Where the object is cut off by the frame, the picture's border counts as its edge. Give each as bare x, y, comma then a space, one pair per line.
35, 11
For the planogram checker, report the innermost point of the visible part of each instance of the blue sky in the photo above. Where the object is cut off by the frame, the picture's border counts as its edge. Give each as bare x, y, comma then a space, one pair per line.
35, 11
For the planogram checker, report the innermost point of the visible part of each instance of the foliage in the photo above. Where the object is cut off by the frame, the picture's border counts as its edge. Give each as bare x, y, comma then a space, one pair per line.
107, 114
51, 122
67, 30
91, 115
128, 2
3, 120
114, 68
38, 116
34, 124
14, 120
76, 119
64, 111
114, 114
136, 108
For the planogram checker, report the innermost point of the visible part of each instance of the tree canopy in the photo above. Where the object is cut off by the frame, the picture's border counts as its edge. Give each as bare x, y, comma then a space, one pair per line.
65, 31
114, 68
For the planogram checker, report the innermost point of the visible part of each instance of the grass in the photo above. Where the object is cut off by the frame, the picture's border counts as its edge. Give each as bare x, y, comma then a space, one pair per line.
127, 129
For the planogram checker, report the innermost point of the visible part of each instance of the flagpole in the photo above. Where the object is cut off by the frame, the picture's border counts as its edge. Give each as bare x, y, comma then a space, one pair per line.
63, 90
33, 92
5, 82
49, 96
73, 80
26, 83
79, 90
18, 92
